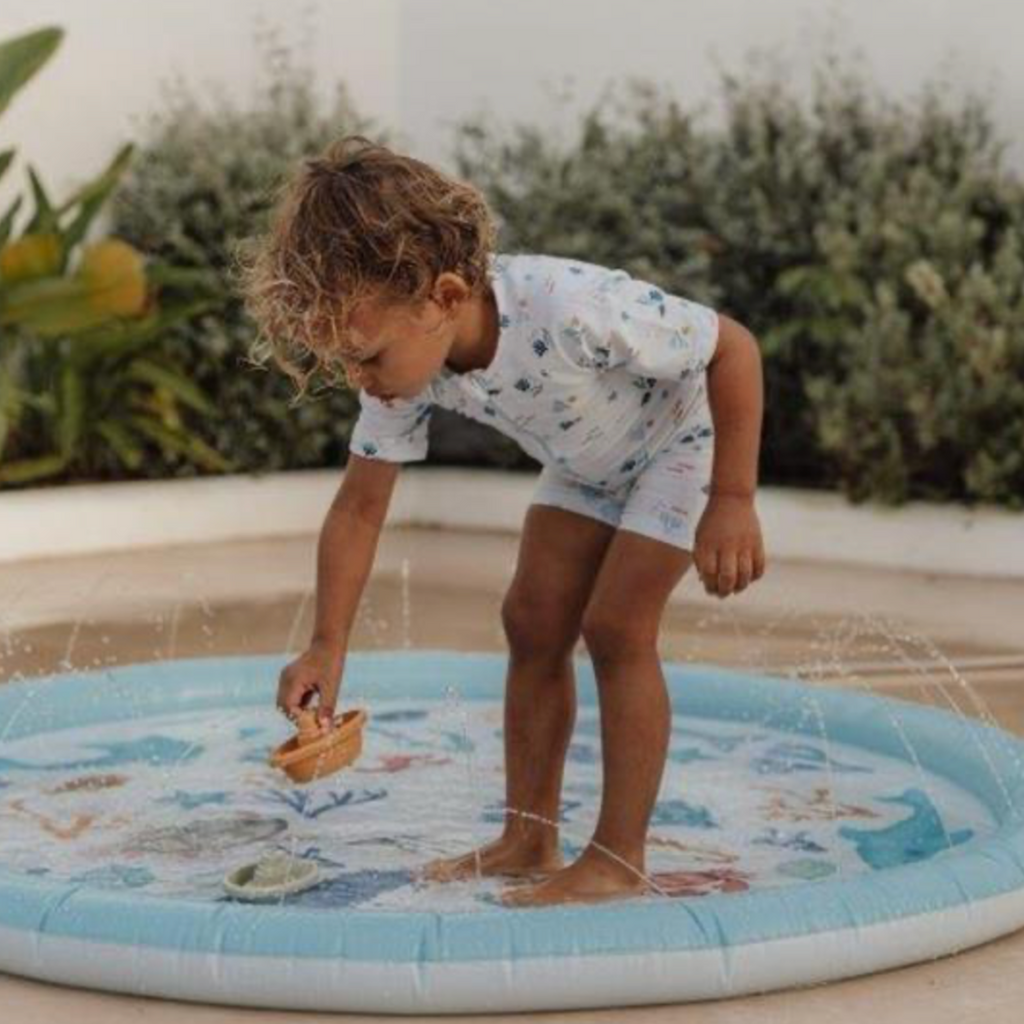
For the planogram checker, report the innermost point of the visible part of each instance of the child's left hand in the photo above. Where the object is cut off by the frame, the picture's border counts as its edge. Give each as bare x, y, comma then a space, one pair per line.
729, 551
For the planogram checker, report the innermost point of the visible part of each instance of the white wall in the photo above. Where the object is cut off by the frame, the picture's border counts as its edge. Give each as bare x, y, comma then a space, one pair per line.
506, 57
418, 65
109, 71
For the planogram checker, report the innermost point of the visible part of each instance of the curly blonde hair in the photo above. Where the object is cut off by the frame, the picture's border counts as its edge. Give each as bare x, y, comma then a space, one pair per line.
355, 222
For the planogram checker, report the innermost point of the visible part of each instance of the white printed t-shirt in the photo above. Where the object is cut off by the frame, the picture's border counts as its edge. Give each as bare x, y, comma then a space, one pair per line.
594, 374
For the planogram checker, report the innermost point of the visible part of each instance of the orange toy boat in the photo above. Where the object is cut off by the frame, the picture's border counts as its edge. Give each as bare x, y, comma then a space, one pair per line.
316, 750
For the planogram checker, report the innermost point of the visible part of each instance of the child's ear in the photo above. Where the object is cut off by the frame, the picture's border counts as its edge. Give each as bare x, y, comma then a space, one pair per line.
450, 291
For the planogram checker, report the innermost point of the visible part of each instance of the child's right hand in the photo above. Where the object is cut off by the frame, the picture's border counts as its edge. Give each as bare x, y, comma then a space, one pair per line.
317, 671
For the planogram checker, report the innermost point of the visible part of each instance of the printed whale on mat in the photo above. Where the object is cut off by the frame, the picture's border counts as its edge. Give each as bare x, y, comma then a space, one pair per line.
916, 838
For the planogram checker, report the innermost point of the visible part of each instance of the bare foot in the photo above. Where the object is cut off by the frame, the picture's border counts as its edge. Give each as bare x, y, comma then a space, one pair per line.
594, 878
511, 857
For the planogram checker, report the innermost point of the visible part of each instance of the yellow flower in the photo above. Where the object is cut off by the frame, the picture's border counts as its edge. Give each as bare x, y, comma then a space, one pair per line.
29, 257
114, 276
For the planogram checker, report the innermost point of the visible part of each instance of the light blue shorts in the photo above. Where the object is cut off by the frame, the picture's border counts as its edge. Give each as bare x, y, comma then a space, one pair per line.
665, 501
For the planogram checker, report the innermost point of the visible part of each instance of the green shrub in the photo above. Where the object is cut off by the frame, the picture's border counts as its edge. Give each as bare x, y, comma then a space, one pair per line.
873, 246
202, 181
914, 311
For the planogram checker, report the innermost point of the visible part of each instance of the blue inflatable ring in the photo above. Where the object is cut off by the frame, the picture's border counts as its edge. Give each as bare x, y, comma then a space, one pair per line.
495, 959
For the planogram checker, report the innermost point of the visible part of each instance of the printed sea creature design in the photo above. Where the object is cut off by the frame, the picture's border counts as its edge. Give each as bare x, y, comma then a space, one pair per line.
190, 801
400, 715
406, 842
810, 869
153, 750
391, 763
116, 876
351, 888
301, 801
701, 883
670, 522
698, 851
917, 838
784, 758
600, 501
789, 841
209, 835
570, 851
725, 744
315, 853
680, 812
655, 297
817, 805
79, 824
89, 784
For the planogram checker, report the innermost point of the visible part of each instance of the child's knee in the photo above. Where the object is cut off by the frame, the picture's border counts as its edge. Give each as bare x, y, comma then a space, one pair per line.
612, 637
534, 628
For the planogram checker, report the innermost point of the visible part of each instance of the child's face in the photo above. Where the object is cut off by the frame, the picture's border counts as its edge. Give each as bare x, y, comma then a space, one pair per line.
397, 349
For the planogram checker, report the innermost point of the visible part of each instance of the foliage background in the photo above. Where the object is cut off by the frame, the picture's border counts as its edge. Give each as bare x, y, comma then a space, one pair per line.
873, 245
204, 179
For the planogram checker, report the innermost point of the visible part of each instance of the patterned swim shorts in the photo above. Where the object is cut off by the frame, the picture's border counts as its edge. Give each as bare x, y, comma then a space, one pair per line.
665, 501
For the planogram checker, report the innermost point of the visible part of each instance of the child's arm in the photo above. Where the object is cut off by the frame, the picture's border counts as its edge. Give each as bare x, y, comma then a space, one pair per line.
345, 554
729, 551
736, 399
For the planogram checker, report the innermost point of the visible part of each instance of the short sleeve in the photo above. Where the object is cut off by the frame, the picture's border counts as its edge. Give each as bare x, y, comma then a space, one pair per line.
623, 322
393, 431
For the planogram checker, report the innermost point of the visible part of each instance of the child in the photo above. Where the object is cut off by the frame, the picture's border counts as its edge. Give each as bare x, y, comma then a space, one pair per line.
644, 409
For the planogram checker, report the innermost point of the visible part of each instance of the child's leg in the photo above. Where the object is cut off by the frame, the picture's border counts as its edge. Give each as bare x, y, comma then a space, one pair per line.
559, 558
620, 627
